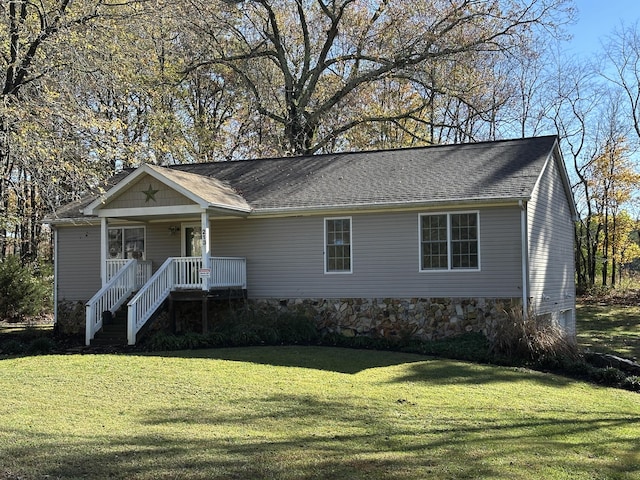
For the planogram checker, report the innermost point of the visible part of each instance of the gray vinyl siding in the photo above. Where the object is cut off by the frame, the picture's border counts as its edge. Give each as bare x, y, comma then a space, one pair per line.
162, 243
551, 237
78, 258
285, 257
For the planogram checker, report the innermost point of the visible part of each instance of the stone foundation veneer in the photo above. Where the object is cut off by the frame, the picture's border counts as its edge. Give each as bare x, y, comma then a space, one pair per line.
422, 318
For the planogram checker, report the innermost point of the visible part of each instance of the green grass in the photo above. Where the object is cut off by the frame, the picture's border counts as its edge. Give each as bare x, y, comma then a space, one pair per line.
608, 328
306, 413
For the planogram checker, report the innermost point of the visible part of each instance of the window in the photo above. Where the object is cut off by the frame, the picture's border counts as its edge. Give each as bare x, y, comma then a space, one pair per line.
126, 242
337, 245
565, 319
449, 241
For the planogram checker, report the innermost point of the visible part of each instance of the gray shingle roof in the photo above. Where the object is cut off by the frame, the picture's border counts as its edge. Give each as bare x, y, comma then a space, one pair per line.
486, 171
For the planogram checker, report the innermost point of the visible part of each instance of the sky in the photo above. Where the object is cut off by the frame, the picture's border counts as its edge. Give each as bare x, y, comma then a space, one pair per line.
598, 18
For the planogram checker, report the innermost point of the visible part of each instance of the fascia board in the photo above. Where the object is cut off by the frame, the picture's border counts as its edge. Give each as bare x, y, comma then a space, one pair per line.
113, 191
149, 211
397, 206
564, 174
158, 175
94, 207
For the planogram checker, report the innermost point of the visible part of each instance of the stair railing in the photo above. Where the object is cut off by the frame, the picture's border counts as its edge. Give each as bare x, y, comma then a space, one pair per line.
181, 273
110, 297
143, 270
142, 306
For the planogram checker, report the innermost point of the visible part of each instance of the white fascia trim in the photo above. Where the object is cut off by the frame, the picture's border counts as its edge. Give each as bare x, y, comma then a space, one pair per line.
299, 211
381, 207
71, 222
169, 210
178, 188
564, 175
542, 172
226, 208
117, 188
556, 156
149, 211
94, 207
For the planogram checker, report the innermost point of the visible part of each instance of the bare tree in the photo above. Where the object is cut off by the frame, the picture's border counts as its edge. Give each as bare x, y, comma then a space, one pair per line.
311, 65
622, 67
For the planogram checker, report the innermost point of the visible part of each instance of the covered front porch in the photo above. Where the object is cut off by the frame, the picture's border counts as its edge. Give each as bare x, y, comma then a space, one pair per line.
155, 231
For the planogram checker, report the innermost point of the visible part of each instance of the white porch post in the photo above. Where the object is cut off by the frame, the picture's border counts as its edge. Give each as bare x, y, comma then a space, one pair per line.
206, 250
104, 223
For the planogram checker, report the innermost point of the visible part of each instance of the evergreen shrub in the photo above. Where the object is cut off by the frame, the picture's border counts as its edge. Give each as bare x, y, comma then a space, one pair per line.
22, 292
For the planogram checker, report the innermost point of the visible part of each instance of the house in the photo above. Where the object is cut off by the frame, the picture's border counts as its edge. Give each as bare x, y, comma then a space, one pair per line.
432, 241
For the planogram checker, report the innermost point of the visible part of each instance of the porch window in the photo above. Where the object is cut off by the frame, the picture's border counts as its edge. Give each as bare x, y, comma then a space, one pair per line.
449, 241
126, 242
338, 245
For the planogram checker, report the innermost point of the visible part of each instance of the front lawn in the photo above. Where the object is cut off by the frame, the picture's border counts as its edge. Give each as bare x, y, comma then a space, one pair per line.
609, 327
306, 413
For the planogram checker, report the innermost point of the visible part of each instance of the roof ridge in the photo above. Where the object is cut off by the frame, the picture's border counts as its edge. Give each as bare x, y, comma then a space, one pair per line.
361, 152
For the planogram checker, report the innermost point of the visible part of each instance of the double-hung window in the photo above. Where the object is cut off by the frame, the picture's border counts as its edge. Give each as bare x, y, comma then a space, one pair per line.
449, 241
337, 245
126, 242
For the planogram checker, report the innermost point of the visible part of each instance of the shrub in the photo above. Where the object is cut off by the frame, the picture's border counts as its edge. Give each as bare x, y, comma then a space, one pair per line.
22, 293
531, 337
608, 376
12, 347
41, 346
243, 327
334, 339
162, 341
248, 326
632, 383
296, 328
471, 346
191, 340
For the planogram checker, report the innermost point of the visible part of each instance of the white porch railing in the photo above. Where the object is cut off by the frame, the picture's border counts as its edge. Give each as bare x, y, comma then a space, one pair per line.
182, 273
110, 297
187, 272
143, 269
228, 272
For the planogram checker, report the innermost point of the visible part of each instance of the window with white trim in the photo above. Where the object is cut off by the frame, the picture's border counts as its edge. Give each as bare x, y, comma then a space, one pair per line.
449, 241
126, 242
337, 245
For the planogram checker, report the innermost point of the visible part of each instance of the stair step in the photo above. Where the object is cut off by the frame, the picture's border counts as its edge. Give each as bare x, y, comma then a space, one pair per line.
109, 341
114, 332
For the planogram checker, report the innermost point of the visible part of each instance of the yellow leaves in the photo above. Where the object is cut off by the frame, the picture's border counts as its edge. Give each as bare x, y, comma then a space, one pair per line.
612, 175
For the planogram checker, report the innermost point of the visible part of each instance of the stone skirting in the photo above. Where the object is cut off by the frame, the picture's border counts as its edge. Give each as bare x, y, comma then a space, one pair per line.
422, 318
71, 318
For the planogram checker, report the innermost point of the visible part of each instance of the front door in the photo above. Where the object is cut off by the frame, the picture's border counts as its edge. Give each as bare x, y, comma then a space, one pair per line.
192, 240
192, 247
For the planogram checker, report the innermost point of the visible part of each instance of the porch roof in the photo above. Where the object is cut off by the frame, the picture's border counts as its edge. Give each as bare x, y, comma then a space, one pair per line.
208, 193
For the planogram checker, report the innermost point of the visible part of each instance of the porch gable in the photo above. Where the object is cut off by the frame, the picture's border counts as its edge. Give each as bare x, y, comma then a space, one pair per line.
153, 190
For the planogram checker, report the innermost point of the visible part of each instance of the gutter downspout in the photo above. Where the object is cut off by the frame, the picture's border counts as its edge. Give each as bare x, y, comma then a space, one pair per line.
524, 234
